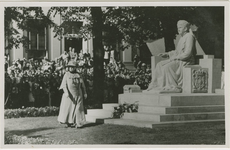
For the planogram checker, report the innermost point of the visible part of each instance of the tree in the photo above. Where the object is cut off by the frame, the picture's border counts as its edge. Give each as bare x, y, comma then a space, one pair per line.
210, 22
98, 53
139, 24
92, 28
20, 16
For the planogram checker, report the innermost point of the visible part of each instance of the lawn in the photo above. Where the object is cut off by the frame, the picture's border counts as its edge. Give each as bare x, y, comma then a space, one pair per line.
48, 127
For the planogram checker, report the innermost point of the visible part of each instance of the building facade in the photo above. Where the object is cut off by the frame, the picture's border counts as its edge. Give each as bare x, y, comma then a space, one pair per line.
43, 42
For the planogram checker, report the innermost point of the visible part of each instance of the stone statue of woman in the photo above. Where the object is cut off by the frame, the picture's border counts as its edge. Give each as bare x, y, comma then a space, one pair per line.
168, 74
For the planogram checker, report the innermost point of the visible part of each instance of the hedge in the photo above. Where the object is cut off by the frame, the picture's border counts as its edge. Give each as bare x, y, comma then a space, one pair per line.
31, 112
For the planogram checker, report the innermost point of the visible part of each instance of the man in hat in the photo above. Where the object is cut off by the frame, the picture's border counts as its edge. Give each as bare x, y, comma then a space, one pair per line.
168, 74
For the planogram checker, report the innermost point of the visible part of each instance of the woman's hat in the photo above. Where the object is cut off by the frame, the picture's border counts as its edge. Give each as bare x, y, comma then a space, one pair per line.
72, 64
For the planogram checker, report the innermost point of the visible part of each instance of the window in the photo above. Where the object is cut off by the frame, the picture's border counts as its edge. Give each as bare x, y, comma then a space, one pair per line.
37, 36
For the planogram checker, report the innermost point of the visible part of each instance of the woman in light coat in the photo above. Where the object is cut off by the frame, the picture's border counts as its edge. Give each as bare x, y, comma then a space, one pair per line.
71, 109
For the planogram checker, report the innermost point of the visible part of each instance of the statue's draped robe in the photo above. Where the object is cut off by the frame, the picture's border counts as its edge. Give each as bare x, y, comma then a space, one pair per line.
168, 74
71, 108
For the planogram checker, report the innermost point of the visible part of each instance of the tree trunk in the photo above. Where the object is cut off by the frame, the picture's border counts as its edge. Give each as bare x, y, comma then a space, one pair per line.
98, 56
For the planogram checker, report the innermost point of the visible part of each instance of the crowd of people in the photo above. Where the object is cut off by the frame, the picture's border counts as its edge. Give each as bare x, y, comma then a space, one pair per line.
37, 82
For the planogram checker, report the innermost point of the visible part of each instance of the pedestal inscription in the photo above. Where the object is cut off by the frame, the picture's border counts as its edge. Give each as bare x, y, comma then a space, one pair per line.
199, 81
195, 79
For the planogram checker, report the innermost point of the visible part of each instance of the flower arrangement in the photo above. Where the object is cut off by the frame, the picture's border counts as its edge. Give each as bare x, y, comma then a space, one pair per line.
31, 112
122, 108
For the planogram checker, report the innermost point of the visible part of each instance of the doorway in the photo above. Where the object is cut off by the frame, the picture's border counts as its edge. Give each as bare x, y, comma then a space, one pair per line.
74, 43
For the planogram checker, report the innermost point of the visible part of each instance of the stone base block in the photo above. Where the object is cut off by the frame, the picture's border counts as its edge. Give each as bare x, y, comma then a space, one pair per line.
195, 79
208, 57
214, 73
219, 91
131, 89
181, 99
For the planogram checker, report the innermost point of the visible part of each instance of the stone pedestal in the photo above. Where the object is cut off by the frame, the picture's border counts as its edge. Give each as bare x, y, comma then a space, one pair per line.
219, 91
214, 72
195, 79
131, 89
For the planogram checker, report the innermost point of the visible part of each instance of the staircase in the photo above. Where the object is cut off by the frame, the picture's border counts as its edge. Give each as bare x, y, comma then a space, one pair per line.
164, 109
98, 115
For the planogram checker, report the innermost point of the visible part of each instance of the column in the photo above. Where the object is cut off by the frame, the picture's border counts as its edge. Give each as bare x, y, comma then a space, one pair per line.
127, 54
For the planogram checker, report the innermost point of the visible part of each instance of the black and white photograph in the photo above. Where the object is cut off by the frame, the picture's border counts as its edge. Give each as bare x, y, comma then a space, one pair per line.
114, 74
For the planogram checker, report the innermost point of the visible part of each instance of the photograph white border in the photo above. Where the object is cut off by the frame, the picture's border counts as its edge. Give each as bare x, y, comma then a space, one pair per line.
168, 3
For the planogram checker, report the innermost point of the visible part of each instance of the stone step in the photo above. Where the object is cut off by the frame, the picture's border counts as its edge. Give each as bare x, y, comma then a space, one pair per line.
128, 122
109, 106
95, 119
100, 112
174, 117
180, 109
193, 116
152, 124
175, 99
144, 99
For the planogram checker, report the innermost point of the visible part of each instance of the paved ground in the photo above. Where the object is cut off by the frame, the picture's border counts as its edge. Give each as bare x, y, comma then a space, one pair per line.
48, 127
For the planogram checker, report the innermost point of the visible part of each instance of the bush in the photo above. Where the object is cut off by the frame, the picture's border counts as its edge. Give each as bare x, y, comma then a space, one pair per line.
31, 112
122, 108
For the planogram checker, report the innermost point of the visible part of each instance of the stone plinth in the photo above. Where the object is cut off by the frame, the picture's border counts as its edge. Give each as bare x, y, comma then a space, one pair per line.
195, 79
164, 109
219, 91
214, 71
208, 56
131, 88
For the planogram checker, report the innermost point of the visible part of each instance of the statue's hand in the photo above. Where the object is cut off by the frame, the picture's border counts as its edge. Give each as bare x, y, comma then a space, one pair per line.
163, 55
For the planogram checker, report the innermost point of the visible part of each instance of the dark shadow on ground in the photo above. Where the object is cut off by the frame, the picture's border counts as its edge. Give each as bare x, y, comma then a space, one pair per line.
27, 131
90, 124
35, 136
125, 143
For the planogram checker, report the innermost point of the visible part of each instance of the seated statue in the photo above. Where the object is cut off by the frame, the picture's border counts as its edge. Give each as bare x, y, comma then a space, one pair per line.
168, 74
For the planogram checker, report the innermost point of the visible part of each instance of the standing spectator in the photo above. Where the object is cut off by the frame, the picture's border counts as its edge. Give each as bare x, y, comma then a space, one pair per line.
80, 55
73, 54
71, 108
106, 55
6, 63
64, 57
8, 89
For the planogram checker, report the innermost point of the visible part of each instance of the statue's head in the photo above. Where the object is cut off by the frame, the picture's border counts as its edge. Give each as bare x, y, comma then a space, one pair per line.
183, 26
